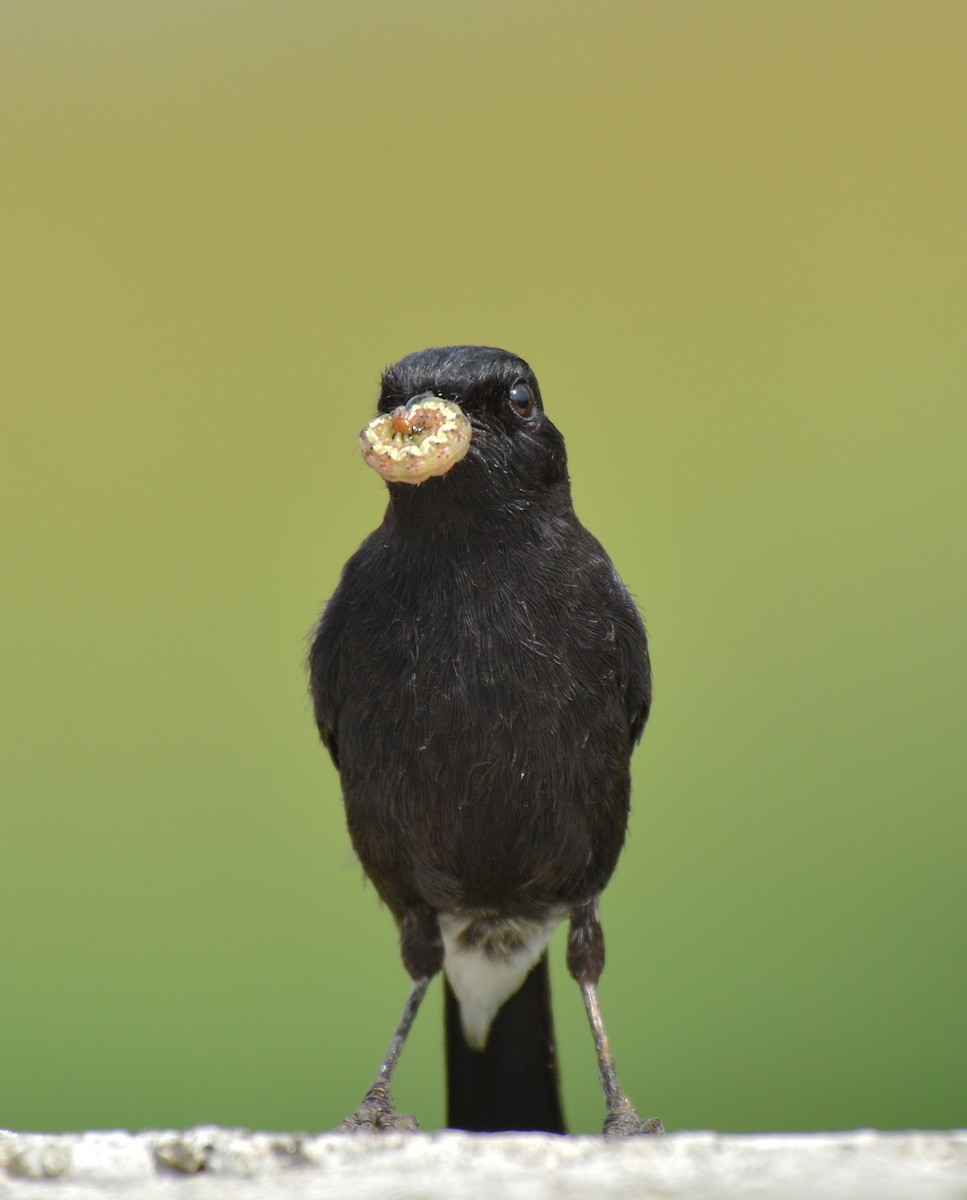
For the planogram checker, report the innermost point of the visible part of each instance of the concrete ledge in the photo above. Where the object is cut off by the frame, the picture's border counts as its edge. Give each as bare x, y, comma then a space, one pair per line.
210, 1163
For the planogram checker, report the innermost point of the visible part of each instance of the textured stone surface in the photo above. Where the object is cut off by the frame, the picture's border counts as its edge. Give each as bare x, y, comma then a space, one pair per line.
210, 1163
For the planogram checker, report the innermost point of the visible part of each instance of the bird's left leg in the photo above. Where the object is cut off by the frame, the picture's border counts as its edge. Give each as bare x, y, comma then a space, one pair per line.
422, 949
585, 961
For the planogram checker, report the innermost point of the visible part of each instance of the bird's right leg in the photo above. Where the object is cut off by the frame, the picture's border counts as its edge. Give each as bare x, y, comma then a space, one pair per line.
422, 949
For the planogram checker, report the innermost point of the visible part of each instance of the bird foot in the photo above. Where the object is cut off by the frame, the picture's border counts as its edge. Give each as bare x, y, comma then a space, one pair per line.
377, 1114
626, 1121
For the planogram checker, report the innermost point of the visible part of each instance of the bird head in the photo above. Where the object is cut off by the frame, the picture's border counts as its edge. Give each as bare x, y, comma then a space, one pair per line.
470, 416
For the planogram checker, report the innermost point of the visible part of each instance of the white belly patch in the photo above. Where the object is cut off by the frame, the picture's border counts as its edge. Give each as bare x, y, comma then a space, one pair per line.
486, 962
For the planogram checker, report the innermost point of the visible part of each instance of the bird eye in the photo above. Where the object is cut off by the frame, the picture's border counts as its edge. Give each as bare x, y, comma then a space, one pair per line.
521, 399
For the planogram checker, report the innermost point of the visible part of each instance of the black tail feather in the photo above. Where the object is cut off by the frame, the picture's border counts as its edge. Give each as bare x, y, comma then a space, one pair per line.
512, 1084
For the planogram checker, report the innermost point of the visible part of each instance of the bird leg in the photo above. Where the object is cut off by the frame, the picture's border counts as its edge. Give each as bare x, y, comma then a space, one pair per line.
377, 1111
585, 961
422, 949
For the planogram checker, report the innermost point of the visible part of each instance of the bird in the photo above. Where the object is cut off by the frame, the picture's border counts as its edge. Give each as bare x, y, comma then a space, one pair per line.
480, 677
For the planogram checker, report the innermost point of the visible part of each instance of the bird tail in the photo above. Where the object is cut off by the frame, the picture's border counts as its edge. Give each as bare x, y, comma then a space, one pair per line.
512, 1084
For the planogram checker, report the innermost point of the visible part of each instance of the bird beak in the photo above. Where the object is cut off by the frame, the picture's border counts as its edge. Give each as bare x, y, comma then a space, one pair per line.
406, 422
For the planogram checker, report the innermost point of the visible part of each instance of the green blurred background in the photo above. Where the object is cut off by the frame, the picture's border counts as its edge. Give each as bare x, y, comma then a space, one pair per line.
730, 238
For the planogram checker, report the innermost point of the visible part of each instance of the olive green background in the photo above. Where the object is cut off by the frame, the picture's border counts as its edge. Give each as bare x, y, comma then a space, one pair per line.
730, 238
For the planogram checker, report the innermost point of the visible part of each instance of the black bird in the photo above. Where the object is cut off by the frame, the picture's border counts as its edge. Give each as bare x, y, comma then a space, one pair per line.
480, 678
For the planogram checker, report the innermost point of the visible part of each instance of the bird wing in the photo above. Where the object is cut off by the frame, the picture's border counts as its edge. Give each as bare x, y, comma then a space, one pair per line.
324, 673
634, 664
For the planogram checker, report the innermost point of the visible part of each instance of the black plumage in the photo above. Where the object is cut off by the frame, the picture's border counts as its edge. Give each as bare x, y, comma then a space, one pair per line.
480, 678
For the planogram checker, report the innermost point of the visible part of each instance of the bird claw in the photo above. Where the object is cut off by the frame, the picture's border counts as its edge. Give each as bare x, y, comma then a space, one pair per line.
377, 1114
627, 1122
